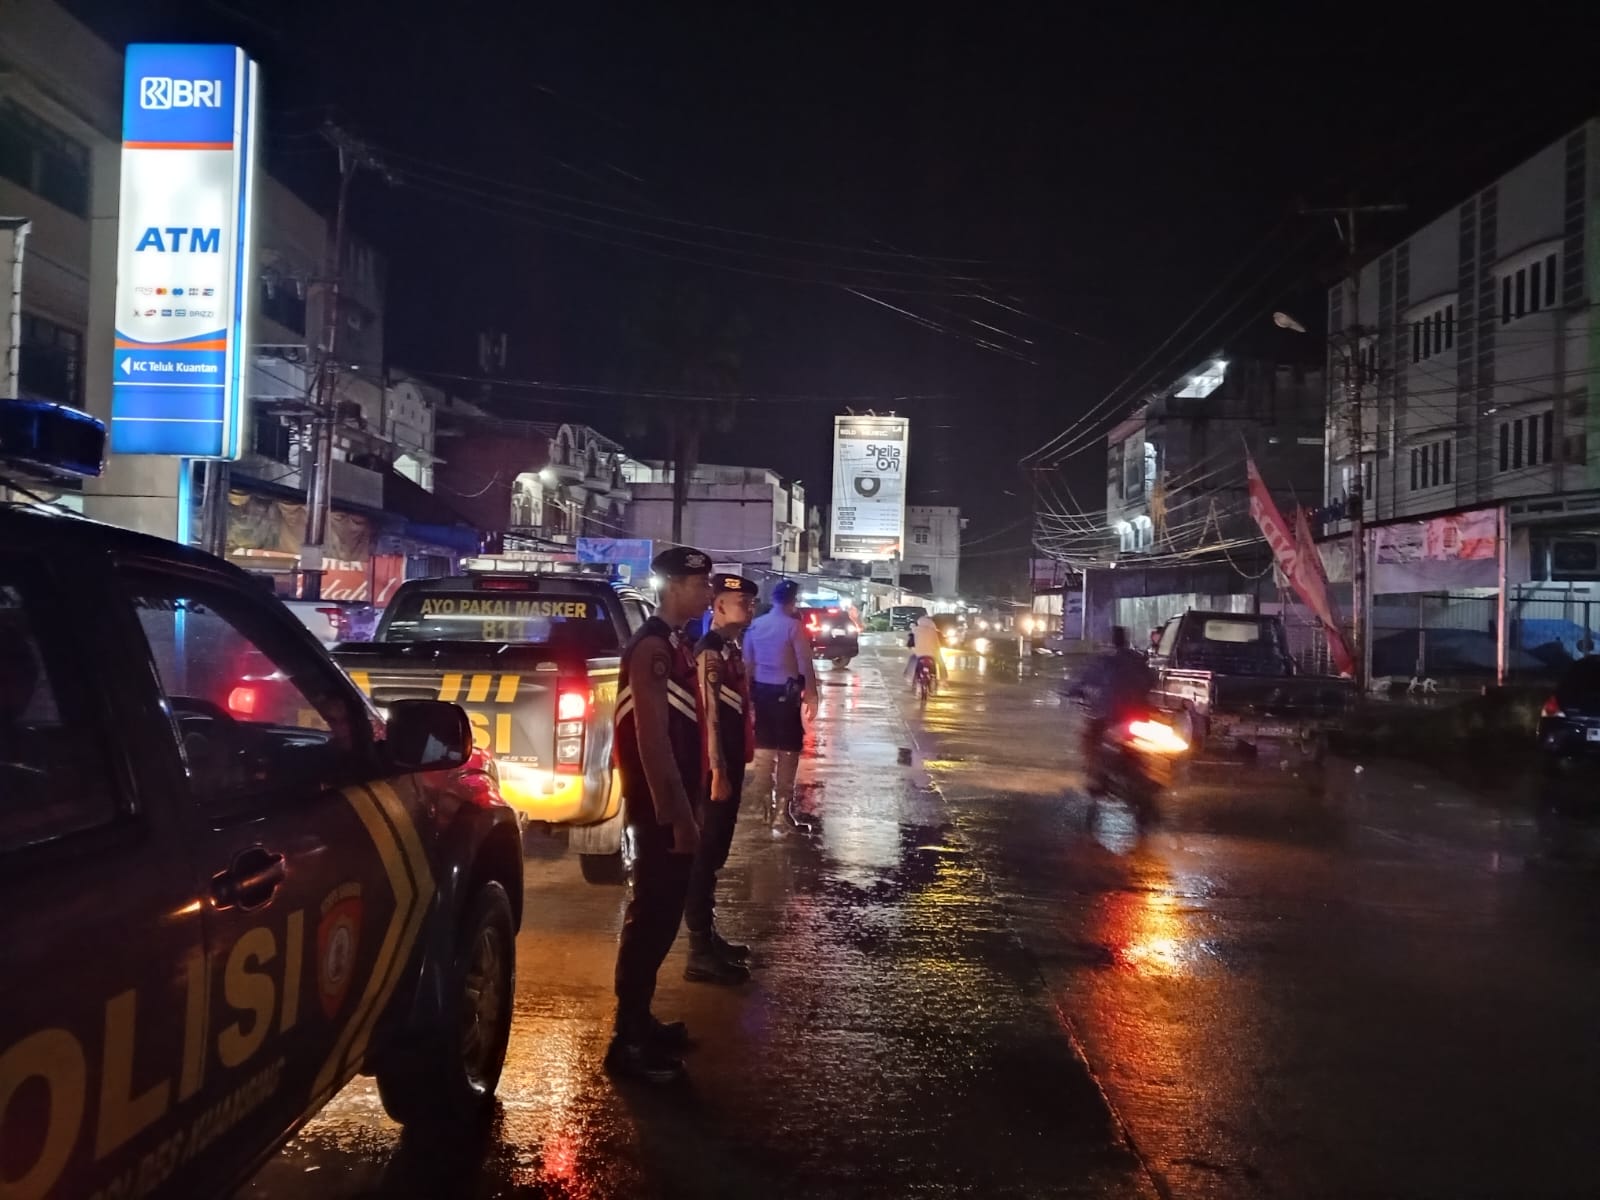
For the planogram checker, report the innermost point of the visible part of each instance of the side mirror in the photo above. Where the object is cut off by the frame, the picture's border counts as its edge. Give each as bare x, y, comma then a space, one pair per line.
428, 735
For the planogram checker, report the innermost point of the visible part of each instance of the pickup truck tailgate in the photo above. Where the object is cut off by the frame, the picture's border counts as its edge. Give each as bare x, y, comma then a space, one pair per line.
554, 761
512, 711
1290, 698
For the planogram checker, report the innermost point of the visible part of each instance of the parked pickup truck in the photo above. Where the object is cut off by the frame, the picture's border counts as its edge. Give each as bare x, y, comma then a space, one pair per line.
1232, 681
533, 656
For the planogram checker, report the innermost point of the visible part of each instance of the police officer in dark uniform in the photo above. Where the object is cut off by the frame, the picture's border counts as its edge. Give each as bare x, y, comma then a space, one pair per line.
658, 755
728, 723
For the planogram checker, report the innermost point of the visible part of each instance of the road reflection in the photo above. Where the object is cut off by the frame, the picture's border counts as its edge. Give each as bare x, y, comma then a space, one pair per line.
1148, 935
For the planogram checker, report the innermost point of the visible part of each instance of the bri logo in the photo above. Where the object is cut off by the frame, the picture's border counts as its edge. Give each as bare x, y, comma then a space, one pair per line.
160, 91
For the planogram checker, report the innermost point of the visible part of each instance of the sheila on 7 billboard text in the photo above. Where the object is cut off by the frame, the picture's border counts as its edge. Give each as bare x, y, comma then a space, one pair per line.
869, 492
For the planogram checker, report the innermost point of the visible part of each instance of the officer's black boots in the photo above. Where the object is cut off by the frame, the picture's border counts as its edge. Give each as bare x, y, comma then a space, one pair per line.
669, 1035
644, 1061
732, 951
708, 964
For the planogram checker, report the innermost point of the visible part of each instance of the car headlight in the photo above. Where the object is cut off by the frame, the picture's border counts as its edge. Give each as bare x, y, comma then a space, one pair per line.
981, 645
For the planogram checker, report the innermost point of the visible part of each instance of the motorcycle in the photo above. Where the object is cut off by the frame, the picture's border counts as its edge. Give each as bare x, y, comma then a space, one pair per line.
1136, 758
926, 679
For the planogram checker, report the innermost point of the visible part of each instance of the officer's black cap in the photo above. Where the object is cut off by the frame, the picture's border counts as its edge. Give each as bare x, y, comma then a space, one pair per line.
733, 585
680, 561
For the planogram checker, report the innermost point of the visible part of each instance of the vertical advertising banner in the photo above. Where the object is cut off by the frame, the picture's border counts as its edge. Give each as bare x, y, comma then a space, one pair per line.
1300, 565
184, 245
869, 487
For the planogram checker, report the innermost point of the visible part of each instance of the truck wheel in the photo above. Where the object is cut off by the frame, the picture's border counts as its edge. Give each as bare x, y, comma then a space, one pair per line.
609, 870
1186, 727
447, 1080
842, 661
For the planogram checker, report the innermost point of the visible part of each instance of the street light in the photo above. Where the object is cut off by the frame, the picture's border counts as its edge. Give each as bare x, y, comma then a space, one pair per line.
1284, 321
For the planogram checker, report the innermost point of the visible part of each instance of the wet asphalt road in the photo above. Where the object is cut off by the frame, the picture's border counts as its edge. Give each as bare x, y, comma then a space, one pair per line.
969, 982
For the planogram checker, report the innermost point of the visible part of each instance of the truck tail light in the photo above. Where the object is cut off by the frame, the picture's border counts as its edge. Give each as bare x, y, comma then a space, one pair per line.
242, 701
1552, 708
572, 713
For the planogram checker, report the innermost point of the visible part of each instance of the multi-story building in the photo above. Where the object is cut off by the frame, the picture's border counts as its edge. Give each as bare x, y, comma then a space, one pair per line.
1178, 525
1476, 362
931, 564
1475, 351
739, 515
530, 483
1175, 470
60, 152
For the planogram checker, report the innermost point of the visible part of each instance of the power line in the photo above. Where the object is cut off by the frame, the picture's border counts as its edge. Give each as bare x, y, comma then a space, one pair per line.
595, 389
726, 230
514, 203
524, 218
871, 279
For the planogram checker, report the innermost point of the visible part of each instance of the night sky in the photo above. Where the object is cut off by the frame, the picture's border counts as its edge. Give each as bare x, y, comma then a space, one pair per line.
1063, 183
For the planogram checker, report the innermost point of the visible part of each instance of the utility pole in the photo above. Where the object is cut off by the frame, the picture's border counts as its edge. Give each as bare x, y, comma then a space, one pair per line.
353, 156
1360, 594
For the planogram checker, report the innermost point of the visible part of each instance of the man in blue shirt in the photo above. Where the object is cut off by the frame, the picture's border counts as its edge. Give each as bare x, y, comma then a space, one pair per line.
783, 685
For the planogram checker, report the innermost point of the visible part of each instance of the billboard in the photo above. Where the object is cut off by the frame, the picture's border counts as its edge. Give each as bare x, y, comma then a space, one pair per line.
184, 245
1460, 550
869, 487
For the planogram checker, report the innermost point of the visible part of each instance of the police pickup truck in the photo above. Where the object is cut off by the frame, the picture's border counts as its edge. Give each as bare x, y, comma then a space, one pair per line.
532, 652
228, 882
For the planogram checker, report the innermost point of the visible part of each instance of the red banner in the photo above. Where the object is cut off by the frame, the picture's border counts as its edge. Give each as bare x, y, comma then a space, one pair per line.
1300, 564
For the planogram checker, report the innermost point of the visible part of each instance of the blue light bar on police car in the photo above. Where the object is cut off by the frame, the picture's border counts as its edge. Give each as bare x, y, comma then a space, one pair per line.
50, 439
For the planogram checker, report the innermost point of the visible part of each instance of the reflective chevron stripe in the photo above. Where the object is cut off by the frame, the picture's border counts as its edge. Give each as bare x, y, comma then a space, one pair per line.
405, 863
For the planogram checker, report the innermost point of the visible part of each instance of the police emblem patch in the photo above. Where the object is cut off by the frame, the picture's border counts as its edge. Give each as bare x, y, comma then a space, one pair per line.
338, 936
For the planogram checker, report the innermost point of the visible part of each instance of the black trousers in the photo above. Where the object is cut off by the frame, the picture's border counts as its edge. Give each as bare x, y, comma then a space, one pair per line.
717, 819
778, 722
650, 926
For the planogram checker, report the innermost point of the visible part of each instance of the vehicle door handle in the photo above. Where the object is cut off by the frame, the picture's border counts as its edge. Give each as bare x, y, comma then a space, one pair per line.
251, 882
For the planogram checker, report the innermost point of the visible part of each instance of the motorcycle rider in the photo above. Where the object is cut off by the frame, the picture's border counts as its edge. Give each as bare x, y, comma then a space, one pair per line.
924, 642
1115, 686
